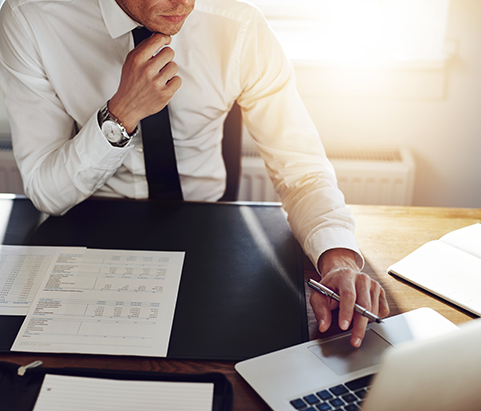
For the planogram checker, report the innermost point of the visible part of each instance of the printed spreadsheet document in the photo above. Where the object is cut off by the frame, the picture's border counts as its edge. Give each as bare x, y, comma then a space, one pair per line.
118, 302
21, 272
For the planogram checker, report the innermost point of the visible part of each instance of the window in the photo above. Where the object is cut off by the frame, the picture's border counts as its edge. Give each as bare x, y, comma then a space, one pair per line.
359, 31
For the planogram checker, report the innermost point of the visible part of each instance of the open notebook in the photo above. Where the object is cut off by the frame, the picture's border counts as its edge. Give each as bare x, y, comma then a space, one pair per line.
449, 267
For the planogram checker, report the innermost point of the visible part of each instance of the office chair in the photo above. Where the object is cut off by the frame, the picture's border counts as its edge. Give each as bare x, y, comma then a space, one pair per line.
231, 151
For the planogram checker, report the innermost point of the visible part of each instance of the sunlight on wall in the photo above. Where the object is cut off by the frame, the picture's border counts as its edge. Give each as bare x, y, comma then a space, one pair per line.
359, 30
352, 30
416, 28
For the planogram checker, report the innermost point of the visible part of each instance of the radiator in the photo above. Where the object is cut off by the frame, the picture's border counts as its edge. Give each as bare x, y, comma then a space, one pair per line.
365, 176
10, 180
374, 176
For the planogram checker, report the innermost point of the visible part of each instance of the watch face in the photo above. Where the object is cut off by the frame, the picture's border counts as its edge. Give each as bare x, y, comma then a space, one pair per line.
112, 131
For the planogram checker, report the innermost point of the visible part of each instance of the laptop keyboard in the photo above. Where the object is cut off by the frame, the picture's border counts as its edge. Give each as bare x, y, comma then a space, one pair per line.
346, 397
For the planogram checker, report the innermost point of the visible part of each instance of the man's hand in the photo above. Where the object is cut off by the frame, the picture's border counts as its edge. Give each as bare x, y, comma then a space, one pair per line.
341, 274
148, 82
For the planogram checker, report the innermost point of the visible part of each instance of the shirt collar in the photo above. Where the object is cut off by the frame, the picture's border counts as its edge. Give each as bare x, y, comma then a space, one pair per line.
116, 20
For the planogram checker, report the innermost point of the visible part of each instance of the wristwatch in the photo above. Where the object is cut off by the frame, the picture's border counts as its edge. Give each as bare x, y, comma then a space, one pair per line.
113, 129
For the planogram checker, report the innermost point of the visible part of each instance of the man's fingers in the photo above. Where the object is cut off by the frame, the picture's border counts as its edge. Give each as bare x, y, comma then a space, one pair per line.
352, 292
346, 308
375, 295
151, 46
383, 310
174, 84
379, 304
358, 330
371, 296
167, 72
322, 307
150, 55
162, 58
365, 292
148, 82
356, 289
340, 273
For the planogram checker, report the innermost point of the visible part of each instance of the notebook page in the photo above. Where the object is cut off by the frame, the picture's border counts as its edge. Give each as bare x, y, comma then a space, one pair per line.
445, 271
60, 393
467, 239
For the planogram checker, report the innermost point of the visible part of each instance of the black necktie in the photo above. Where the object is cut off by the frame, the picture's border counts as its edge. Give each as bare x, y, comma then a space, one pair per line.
159, 153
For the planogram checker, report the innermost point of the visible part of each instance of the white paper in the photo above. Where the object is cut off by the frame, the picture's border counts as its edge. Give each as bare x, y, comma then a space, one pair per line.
445, 271
104, 302
467, 239
22, 269
61, 393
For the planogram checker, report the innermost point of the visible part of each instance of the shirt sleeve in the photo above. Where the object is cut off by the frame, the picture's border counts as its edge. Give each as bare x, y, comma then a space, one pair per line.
61, 162
290, 145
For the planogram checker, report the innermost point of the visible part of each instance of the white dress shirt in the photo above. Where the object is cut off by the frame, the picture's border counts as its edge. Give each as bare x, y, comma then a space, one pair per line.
61, 60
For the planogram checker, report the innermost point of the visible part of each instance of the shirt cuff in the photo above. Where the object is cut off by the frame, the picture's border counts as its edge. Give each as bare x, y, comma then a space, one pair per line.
93, 146
329, 238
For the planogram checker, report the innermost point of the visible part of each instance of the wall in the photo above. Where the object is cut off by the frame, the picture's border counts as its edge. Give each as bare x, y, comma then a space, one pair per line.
443, 134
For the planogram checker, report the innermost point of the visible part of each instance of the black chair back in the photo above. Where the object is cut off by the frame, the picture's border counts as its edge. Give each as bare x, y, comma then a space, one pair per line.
231, 151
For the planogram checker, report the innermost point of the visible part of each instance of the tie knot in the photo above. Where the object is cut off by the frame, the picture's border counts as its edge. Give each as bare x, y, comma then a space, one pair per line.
140, 33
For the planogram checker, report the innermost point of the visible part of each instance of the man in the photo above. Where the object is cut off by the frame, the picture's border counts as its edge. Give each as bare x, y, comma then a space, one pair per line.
64, 62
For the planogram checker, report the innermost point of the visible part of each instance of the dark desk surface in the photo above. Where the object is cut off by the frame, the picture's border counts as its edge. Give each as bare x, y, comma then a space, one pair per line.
385, 235
241, 292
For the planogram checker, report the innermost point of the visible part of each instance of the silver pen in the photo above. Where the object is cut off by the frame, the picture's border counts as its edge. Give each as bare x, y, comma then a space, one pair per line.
329, 293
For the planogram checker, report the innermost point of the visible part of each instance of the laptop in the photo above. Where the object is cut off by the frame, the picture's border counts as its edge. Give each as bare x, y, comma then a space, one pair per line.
418, 360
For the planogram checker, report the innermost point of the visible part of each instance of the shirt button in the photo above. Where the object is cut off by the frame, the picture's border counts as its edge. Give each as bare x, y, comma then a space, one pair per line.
139, 150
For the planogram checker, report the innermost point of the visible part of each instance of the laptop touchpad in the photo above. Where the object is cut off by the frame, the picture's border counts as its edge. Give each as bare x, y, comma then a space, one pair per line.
342, 358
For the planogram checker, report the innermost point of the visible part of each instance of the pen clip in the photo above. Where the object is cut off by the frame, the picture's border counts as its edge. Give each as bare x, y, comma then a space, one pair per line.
23, 369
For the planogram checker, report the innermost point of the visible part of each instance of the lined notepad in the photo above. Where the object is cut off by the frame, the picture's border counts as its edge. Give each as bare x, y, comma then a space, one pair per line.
60, 393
